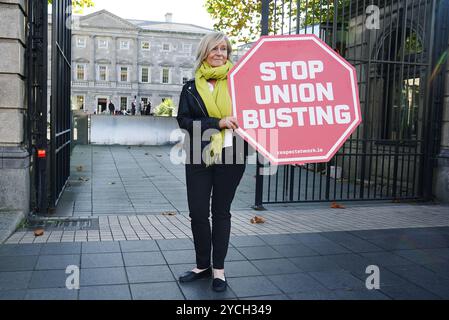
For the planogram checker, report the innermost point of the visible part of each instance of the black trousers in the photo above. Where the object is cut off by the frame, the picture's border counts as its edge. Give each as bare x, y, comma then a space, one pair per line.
222, 181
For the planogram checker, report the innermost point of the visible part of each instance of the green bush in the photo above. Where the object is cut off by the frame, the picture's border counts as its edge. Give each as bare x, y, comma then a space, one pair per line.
165, 109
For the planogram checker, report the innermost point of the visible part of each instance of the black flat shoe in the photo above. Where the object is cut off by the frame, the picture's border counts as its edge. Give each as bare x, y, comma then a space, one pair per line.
219, 285
190, 276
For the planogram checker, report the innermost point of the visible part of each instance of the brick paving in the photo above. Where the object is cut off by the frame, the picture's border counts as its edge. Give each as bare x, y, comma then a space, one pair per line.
413, 264
278, 221
130, 250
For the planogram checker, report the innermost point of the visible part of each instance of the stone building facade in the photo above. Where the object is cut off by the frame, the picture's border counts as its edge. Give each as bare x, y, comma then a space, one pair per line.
441, 180
14, 157
120, 60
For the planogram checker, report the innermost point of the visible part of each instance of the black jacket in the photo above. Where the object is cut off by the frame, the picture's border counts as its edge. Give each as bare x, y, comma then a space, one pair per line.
192, 108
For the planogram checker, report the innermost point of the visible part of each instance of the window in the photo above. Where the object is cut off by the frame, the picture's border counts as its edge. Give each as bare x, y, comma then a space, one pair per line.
187, 48
165, 75
102, 73
145, 45
145, 75
80, 72
401, 92
166, 47
102, 44
403, 113
80, 42
79, 103
124, 45
185, 76
124, 74
123, 103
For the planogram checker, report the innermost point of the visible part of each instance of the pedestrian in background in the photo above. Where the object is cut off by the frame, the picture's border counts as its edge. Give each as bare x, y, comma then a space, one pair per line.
148, 110
111, 108
133, 107
140, 108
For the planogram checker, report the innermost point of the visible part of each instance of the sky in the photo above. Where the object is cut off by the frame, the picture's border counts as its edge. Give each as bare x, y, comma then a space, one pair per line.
184, 11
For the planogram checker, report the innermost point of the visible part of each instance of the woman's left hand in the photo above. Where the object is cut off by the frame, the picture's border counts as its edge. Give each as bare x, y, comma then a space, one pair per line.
229, 123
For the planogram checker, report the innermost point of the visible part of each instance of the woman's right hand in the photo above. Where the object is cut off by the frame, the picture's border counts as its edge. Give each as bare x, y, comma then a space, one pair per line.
229, 123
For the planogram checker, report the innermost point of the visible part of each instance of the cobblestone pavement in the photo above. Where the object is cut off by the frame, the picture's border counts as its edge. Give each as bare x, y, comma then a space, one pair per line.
125, 247
413, 263
120, 180
123, 193
279, 220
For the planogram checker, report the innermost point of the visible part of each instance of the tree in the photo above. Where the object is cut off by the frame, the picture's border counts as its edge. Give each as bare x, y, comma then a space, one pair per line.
79, 4
82, 3
241, 20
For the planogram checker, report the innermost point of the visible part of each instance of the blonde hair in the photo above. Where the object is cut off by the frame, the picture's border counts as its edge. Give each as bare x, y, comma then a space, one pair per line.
206, 45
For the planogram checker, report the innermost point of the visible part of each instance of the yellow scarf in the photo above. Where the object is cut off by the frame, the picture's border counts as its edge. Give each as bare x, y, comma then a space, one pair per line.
218, 103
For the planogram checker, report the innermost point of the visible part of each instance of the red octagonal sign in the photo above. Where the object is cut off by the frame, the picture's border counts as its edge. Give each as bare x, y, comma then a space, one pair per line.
296, 99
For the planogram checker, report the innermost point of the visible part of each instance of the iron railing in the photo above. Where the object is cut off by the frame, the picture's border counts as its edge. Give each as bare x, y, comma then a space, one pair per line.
392, 46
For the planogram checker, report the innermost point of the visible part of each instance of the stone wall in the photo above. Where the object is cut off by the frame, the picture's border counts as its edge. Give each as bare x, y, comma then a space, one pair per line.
132, 130
14, 158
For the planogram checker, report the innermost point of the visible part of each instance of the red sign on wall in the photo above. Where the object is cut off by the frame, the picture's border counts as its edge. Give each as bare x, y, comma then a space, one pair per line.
296, 99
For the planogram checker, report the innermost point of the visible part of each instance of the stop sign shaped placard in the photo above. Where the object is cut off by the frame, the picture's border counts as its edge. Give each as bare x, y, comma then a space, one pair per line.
296, 99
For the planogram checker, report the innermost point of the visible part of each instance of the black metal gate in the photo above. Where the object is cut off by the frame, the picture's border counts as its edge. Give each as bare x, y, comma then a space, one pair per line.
61, 120
49, 129
37, 66
393, 46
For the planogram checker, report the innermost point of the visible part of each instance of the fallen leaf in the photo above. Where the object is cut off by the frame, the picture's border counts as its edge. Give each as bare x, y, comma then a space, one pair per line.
169, 213
111, 182
257, 219
83, 179
79, 168
146, 153
38, 232
335, 205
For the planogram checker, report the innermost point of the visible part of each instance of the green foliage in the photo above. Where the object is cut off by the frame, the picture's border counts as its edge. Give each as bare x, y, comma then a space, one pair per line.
78, 5
413, 44
165, 109
241, 19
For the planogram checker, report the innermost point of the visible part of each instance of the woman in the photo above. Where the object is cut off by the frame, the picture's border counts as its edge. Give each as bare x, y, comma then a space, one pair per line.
205, 103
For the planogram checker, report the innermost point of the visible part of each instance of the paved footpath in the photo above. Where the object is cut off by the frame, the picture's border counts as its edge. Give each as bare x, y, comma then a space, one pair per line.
296, 254
126, 248
279, 220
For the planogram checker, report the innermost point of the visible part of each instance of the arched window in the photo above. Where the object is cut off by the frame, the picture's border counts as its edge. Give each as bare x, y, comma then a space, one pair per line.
401, 53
